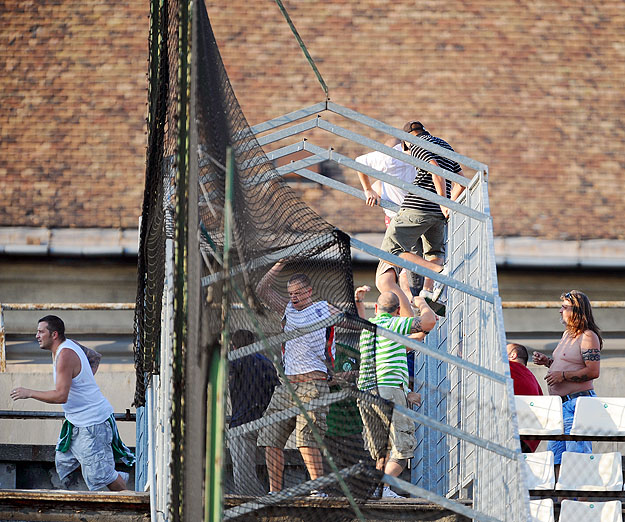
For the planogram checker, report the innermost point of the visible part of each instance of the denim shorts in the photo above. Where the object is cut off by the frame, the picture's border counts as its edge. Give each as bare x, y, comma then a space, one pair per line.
560, 446
91, 450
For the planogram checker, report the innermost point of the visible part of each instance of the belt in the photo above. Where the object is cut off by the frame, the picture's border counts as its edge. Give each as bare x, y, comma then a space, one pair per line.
315, 375
586, 393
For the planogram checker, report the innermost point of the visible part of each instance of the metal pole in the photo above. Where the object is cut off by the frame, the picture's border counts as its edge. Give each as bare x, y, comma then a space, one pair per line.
215, 401
3, 342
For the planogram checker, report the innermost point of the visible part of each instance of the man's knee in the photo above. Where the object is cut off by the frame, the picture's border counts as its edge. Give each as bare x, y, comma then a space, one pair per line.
400, 462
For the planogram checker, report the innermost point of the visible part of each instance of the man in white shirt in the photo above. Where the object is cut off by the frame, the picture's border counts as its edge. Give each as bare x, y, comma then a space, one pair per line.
379, 190
307, 361
89, 431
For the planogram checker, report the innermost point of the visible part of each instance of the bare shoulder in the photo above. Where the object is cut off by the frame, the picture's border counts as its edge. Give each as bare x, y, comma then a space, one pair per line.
590, 340
67, 358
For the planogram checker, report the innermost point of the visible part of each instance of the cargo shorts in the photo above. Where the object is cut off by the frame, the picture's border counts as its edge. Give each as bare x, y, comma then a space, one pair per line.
405, 230
276, 434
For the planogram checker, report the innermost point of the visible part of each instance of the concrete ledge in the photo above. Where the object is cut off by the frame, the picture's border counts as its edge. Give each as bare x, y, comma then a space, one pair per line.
536, 252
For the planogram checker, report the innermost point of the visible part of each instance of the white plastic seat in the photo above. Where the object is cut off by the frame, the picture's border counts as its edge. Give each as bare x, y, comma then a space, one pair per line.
574, 511
539, 414
599, 416
591, 471
541, 510
539, 470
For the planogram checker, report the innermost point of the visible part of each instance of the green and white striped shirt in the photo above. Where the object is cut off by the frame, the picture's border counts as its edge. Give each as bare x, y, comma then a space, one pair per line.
383, 362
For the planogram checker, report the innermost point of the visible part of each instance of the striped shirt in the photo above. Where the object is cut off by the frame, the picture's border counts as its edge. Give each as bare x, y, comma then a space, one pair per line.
424, 178
383, 362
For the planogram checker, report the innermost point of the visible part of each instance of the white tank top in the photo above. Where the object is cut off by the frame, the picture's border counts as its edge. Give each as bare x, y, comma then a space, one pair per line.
85, 404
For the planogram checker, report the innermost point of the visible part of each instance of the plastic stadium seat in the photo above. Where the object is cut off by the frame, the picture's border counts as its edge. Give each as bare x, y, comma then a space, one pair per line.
573, 511
539, 415
599, 416
541, 510
591, 471
539, 470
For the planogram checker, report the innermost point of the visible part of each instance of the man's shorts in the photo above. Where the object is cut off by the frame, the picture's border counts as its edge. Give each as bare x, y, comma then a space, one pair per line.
378, 437
404, 232
275, 435
91, 450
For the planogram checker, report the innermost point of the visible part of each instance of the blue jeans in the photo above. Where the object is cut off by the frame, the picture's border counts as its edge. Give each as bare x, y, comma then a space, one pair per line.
560, 446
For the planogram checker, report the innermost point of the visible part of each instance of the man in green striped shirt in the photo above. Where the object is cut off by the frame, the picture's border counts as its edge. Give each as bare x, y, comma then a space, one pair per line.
384, 372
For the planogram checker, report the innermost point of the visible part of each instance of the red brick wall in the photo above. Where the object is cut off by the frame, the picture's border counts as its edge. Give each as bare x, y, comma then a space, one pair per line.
533, 89
73, 91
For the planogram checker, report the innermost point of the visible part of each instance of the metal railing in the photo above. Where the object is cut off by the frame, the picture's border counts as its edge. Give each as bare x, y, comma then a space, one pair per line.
464, 408
29, 307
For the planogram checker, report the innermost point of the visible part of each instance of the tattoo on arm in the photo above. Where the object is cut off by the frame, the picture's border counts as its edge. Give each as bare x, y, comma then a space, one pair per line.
416, 325
592, 354
582, 378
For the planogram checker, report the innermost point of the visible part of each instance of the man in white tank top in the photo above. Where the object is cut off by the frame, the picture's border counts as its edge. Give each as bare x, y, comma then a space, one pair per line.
88, 411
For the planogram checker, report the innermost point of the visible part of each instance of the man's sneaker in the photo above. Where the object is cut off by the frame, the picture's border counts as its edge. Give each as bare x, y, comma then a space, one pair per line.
425, 294
318, 494
389, 493
437, 292
438, 308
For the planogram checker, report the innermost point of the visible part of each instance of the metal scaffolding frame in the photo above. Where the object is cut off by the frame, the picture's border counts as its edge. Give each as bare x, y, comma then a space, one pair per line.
467, 430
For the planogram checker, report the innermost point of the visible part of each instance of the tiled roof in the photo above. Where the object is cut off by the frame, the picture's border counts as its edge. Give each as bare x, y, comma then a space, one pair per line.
72, 116
533, 89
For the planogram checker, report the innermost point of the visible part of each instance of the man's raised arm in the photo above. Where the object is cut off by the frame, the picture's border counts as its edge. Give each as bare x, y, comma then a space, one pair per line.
264, 289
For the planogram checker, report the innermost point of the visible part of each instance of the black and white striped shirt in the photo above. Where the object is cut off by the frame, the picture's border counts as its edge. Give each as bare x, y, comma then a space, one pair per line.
424, 179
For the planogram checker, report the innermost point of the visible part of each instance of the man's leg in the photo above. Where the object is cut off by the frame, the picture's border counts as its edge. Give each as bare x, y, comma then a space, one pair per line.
436, 265
387, 282
274, 457
243, 454
119, 484
312, 459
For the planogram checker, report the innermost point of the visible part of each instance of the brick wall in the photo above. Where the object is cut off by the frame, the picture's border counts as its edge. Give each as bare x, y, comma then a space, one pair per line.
72, 117
533, 89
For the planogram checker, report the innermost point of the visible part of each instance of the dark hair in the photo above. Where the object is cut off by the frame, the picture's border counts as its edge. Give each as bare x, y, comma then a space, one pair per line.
521, 352
299, 278
413, 126
582, 318
242, 338
55, 324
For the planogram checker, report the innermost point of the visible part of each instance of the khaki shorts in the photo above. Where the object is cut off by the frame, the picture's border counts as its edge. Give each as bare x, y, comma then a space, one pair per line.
404, 232
275, 435
401, 440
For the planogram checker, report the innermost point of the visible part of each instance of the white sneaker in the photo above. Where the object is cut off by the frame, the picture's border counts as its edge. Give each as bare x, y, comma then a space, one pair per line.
425, 293
438, 290
389, 493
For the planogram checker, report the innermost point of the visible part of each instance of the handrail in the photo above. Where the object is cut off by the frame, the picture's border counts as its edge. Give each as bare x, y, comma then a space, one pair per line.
49, 306
13, 414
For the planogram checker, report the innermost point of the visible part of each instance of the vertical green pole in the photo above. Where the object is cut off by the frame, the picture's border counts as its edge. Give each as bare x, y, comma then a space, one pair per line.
217, 377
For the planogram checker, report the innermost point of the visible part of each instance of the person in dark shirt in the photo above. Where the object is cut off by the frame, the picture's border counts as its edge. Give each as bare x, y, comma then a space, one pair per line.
251, 380
524, 382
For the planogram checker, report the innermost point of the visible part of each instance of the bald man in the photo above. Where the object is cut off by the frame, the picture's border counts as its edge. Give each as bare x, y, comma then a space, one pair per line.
384, 372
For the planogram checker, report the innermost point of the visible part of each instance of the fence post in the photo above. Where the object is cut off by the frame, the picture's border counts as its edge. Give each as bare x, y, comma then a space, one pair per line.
3, 350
